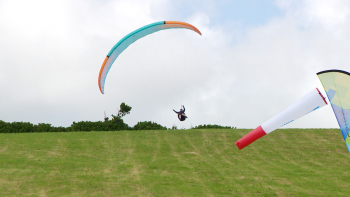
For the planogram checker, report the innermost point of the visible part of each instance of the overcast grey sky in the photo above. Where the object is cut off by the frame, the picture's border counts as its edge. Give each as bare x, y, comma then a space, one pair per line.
254, 59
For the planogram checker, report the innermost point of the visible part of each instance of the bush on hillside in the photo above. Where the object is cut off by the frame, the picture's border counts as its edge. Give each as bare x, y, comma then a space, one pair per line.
212, 127
27, 127
148, 125
108, 125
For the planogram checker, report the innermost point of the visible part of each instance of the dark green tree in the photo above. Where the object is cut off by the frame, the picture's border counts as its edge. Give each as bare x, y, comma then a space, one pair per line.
124, 109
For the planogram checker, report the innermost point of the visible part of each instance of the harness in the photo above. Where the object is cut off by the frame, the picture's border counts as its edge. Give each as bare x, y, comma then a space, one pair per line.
182, 117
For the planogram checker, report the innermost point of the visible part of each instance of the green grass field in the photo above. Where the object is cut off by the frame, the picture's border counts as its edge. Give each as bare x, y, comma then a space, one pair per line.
287, 162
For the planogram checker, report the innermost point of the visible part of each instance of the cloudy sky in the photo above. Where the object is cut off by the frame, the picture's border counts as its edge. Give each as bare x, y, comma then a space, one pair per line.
254, 59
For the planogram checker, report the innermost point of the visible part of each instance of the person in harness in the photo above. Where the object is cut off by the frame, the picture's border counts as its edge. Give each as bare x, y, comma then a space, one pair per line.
181, 114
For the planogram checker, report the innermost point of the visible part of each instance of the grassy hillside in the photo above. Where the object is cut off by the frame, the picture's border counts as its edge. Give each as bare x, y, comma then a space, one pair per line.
288, 162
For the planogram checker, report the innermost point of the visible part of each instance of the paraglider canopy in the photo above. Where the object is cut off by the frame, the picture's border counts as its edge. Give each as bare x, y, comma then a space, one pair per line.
131, 38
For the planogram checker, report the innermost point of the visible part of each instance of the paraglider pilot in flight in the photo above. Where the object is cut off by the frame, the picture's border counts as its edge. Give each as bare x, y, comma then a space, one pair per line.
181, 114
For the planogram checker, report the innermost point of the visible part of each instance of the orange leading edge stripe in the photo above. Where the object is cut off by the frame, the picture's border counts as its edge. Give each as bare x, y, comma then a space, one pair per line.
99, 76
183, 23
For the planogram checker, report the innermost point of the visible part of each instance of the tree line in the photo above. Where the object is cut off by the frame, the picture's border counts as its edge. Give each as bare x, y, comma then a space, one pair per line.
116, 123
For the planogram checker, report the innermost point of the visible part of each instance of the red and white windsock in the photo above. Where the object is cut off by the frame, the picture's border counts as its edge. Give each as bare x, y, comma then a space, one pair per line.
305, 105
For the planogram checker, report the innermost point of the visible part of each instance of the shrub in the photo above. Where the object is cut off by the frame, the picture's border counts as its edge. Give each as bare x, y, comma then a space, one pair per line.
174, 127
212, 127
148, 125
107, 125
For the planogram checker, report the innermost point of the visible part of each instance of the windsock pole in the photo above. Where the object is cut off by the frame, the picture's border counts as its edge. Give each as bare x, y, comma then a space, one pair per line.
310, 102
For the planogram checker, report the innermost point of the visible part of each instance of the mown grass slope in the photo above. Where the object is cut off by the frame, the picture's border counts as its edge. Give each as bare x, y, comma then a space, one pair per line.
287, 162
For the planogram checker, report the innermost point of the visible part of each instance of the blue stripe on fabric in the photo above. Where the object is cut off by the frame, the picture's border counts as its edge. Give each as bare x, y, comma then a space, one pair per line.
342, 116
134, 32
128, 40
330, 94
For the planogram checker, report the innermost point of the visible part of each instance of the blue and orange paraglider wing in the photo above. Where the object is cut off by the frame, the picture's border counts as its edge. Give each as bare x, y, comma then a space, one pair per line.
131, 38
